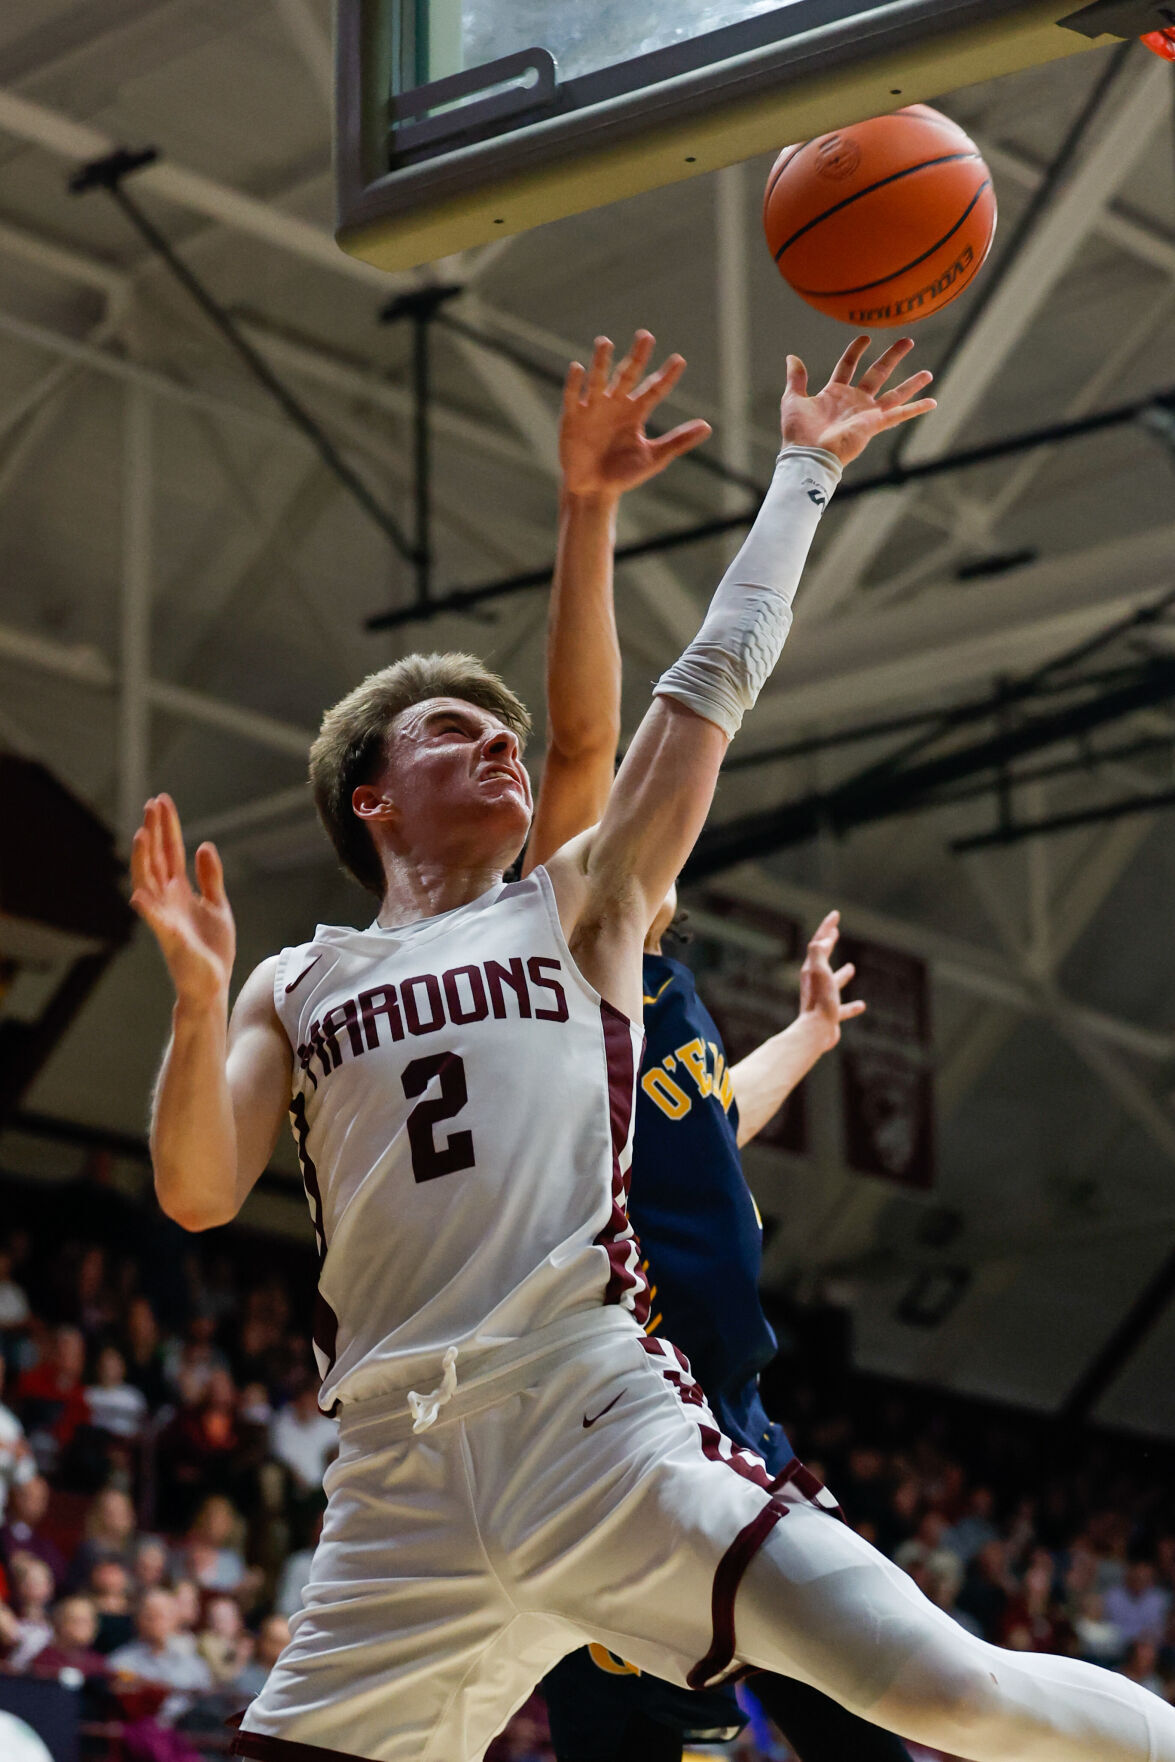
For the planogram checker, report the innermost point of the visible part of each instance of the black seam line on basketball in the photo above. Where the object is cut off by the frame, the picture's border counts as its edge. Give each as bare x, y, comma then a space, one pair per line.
835, 293
893, 178
779, 170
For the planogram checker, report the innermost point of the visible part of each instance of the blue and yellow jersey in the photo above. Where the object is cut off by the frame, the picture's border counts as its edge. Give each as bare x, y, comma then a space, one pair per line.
690, 1205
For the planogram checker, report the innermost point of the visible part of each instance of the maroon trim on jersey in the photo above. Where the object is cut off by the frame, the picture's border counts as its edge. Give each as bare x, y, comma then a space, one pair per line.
810, 1486
325, 1332
626, 1283
716, 1446
266, 1749
727, 1580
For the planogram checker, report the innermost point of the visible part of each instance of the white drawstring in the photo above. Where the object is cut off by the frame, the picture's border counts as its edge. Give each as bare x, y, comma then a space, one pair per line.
424, 1408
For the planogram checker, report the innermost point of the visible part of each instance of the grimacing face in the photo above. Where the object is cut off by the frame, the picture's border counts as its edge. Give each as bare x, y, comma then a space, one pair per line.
453, 788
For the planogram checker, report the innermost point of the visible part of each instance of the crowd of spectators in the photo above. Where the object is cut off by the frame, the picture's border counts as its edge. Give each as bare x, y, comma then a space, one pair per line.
162, 1455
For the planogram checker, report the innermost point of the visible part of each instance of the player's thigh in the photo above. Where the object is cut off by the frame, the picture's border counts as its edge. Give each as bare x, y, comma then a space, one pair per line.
406, 1648
818, 1603
620, 1506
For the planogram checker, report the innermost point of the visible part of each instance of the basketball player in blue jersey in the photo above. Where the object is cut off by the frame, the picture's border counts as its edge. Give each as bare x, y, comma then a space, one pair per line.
689, 1203
521, 1469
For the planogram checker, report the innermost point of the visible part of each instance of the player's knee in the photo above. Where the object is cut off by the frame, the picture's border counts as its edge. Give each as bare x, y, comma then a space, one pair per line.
946, 1697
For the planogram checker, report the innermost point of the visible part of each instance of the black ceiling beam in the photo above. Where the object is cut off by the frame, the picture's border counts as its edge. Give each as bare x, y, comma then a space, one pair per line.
1017, 830
873, 795
896, 476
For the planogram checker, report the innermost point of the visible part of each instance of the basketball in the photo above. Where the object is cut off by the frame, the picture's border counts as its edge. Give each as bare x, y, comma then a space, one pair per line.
884, 222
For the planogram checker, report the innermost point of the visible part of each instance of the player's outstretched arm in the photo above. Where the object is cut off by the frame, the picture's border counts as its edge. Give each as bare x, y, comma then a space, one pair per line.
610, 883
224, 1087
766, 1077
603, 451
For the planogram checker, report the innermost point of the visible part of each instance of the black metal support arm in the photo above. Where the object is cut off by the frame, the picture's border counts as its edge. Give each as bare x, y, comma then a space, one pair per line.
109, 174
1156, 412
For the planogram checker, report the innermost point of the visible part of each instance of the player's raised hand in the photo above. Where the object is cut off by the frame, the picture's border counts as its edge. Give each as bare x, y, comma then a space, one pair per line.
192, 925
844, 418
821, 989
603, 447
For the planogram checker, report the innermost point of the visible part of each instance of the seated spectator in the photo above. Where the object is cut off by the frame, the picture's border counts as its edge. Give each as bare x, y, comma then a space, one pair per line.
51, 1397
14, 1305
1138, 1606
31, 1593
75, 1629
986, 1589
143, 1353
190, 1363
16, 1457
926, 1547
109, 1590
210, 1554
273, 1636
110, 1534
304, 1440
197, 1451
23, 1531
1028, 1623
154, 1657
115, 1406
1098, 1641
189, 1605
1141, 1665
975, 1528
150, 1566
225, 1645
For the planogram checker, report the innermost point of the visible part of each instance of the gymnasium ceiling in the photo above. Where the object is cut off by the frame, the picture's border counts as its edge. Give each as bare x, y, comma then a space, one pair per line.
1052, 959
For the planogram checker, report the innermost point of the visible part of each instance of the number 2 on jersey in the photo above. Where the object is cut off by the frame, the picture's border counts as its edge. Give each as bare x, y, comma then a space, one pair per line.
457, 1152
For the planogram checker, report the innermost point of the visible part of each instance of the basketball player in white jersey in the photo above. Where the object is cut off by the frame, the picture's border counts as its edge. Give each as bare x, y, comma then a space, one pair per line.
520, 1469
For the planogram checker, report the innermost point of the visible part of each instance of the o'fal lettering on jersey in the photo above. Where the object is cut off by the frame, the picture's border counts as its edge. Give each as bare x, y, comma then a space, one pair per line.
698, 1059
427, 1002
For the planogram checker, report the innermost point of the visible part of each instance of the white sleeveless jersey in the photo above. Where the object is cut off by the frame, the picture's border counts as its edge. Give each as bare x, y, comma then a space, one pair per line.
463, 1111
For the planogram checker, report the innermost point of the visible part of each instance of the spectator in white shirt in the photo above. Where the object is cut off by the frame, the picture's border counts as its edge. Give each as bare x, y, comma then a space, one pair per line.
17, 1463
14, 1305
304, 1439
155, 1657
115, 1405
32, 1593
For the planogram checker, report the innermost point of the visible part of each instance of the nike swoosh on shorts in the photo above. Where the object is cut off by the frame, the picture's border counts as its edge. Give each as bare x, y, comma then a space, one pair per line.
595, 1416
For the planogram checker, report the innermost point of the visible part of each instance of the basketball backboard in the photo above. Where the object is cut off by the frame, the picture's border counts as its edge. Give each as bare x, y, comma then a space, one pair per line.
461, 121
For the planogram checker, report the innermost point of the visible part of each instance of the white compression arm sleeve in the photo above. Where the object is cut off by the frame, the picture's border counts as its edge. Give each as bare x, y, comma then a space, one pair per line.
727, 664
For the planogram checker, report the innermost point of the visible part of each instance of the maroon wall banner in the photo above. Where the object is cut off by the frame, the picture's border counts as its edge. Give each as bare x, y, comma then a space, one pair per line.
886, 1067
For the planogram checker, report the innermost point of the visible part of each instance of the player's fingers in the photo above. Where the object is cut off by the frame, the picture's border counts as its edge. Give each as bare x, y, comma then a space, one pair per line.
843, 975
907, 413
634, 363
156, 861
846, 367
658, 385
875, 377
141, 876
847, 1011
797, 377
173, 838
573, 387
210, 874
601, 366
909, 388
679, 440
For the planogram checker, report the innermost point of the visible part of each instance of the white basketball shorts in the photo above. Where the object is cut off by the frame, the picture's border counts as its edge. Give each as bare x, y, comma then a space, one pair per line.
577, 1490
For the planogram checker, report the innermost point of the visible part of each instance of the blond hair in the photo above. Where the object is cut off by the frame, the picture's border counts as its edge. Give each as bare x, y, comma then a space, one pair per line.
353, 738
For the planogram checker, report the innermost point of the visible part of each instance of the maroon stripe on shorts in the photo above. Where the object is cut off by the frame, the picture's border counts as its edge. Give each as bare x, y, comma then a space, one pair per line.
626, 1283
727, 1580
265, 1749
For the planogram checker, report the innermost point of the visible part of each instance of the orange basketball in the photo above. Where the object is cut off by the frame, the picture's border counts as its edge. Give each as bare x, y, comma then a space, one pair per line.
882, 223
